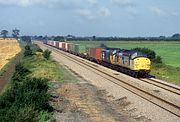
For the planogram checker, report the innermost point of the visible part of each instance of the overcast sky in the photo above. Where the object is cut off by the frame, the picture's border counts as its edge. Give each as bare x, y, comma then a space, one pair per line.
127, 18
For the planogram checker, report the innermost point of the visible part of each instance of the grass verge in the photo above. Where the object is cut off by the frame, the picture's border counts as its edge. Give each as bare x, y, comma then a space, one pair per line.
49, 69
167, 73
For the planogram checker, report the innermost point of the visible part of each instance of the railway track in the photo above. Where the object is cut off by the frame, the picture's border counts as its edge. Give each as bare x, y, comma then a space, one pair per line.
166, 86
169, 106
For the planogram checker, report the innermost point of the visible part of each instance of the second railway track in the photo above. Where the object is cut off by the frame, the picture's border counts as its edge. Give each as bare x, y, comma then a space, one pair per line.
157, 100
166, 86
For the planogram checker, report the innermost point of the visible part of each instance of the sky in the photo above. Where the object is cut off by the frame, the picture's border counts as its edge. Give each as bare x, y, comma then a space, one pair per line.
122, 18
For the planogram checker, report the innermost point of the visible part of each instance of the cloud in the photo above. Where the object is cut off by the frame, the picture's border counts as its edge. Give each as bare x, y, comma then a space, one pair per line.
55, 3
92, 14
105, 12
86, 13
158, 11
161, 12
132, 11
175, 13
123, 3
93, 2
26, 3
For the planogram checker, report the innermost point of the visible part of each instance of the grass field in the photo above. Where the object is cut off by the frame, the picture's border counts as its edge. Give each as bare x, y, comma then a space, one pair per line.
8, 49
169, 51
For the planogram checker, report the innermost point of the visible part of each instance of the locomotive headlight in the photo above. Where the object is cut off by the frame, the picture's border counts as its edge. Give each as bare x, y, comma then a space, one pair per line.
135, 62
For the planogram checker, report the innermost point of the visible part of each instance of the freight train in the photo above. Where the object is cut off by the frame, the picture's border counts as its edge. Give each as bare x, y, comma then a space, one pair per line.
130, 62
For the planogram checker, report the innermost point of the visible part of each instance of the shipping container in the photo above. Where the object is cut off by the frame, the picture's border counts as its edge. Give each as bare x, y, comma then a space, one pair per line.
63, 45
95, 53
71, 47
51, 43
106, 55
54, 43
60, 45
57, 44
66, 46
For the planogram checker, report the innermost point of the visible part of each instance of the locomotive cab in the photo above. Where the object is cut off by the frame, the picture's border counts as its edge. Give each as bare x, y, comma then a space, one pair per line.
140, 62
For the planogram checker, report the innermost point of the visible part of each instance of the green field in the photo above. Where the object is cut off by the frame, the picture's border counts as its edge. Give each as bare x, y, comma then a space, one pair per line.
169, 51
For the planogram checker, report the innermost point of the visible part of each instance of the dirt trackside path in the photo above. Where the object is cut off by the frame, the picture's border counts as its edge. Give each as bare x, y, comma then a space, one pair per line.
83, 102
4, 77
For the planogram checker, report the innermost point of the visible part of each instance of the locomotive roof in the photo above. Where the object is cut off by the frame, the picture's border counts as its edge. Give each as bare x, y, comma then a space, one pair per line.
131, 53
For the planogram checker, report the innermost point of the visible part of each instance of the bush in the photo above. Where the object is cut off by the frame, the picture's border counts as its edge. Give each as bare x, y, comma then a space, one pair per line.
47, 54
25, 99
158, 59
28, 51
150, 54
34, 92
16, 114
39, 50
26, 114
36, 48
20, 72
45, 116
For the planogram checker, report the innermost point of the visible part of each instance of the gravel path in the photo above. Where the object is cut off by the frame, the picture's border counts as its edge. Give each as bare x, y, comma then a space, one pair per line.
139, 107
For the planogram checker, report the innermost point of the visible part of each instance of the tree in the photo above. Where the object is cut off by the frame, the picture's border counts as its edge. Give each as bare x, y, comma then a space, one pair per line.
4, 33
177, 35
158, 59
26, 39
59, 38
94, 37
15, 33
103, 45
47, 54
28, 51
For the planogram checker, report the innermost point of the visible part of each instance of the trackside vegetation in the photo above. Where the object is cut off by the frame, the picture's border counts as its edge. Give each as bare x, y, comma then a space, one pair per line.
47, 54
27, 97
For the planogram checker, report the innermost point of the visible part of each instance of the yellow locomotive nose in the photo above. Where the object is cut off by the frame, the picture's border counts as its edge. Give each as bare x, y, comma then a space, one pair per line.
142, 63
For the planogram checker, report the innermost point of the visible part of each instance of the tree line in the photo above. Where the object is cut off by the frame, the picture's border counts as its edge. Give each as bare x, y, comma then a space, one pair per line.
15, 33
